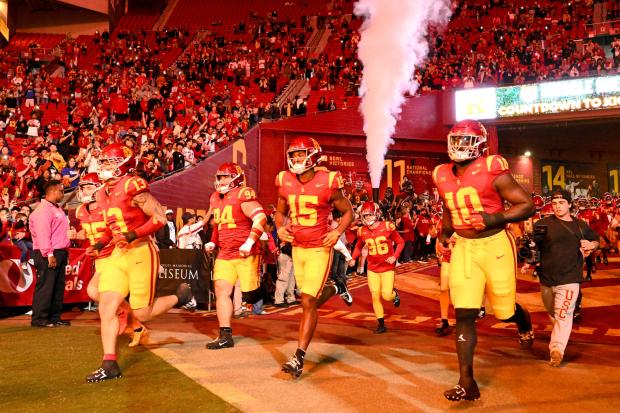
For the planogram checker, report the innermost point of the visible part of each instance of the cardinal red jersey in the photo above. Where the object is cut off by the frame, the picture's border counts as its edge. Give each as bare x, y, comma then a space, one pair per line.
309, 204
233, 227
93, 224
472, 191
586, 215
116, 202
380, 242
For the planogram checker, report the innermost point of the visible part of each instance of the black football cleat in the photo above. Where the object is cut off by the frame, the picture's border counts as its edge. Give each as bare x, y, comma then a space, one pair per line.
482, 313
396, 299
107, 371
443, 329
223, 341
184, 295
380, 329
526, 340
458, 392
293, 366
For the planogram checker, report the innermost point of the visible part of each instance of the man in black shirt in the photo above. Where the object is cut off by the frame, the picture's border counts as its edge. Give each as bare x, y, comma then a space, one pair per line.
563, 242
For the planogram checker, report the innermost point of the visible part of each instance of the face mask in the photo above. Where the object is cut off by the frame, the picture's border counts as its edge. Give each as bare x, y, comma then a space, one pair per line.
105, 175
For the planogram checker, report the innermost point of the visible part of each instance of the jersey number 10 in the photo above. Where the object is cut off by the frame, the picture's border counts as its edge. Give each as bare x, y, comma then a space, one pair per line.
462, 203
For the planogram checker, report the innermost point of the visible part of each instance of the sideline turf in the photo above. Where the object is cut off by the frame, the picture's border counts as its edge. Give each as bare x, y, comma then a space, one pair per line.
43, 370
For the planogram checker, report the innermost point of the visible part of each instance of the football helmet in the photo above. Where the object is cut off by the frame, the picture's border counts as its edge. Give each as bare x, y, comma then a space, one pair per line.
92, 181
236, 174
581, 203
116, 160
313, 154
370, 213
539, 202
594, 203
467, 140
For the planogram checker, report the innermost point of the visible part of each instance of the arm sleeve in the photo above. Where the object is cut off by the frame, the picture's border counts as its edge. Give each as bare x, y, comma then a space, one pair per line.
341, 248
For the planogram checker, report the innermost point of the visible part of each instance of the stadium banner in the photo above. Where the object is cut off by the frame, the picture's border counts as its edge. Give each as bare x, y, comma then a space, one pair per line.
574, 177
563, 96
190, 266
522, 169
190, 189
613, 175
354, 168
17, 283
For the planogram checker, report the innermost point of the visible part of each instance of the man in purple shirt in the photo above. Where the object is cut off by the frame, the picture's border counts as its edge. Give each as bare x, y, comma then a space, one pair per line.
49, 227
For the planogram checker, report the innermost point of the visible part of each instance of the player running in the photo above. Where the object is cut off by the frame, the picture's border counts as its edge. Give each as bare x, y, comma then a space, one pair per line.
307, 195
379, 237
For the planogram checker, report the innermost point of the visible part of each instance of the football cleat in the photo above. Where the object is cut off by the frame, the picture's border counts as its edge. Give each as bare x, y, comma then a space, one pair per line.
184, 294
293, 366
396, 299
191, 305
112, 371
482, 313
443, 329
380, 329
221, 342
458, 392
139, 336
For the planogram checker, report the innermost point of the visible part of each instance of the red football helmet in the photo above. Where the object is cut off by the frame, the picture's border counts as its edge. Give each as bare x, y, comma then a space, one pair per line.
467, 140
581, 203
370, 213
595, 203
539, 202
313, 154
115, 160
236, 174
92, 181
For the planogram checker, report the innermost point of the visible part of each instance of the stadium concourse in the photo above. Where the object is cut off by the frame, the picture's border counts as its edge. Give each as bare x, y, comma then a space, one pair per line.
350, 369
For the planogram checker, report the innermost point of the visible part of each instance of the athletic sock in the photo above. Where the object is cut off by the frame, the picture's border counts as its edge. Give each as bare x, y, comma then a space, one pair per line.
466, 339
300, 354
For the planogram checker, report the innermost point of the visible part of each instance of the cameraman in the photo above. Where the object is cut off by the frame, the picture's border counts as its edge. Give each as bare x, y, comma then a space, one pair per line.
563, 242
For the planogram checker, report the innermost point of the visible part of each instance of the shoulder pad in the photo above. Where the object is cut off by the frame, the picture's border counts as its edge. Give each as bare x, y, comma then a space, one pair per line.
437, 172
246, 194
135, 185
497, 164
79, 211
335, 180
280, 179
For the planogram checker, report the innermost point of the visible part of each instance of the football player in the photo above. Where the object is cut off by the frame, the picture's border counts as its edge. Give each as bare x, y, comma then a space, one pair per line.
379, 237
307, 195
474, 187
93, 229
240, 220
131, 215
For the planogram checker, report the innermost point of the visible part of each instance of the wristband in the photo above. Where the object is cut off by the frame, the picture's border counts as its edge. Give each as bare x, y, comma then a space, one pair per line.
130, 236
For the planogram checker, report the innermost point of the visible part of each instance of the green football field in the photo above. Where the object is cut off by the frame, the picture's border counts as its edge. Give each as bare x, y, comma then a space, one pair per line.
43, 370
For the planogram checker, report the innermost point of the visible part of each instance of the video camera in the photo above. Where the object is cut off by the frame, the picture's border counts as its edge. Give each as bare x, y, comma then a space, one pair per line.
529, 244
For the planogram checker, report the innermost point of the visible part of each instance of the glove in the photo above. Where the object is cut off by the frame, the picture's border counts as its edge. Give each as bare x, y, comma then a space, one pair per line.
209, 246
246, 247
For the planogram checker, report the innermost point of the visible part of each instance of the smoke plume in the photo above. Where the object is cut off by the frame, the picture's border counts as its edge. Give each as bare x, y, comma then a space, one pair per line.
392, 44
